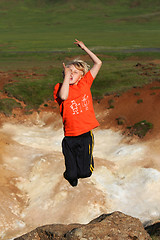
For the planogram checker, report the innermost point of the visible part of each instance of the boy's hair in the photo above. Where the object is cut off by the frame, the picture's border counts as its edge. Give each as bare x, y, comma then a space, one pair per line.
80, 65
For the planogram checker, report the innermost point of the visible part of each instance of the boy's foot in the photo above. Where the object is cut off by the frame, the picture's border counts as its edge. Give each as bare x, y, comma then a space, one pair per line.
73, 182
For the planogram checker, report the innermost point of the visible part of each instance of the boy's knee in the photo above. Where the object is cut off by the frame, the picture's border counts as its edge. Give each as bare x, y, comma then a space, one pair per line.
69, 175
85, 174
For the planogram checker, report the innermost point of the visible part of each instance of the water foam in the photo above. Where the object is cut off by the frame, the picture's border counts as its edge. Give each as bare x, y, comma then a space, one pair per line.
120, 180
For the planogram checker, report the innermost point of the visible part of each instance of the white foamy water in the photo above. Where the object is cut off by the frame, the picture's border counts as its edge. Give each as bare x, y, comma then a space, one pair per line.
34, 193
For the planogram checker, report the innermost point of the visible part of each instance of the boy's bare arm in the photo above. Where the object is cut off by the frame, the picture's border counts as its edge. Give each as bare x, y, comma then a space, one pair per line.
97, 62
64, 91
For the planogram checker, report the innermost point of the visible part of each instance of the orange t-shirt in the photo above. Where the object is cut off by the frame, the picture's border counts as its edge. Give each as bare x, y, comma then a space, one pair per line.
77, 110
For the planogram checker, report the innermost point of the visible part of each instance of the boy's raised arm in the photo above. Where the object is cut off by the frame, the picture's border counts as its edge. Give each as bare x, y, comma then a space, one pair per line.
97, 62
64, 91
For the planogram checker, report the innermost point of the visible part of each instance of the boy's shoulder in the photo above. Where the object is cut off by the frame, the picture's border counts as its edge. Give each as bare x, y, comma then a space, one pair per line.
57, 86
56, 91
88, 78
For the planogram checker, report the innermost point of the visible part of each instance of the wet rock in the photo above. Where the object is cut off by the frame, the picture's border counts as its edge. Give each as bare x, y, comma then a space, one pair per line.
114, 226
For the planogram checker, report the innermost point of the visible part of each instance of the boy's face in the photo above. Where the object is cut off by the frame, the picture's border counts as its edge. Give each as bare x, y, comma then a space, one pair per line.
75, 75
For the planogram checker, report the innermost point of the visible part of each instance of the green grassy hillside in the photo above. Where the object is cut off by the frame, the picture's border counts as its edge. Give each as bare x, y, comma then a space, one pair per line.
46, 25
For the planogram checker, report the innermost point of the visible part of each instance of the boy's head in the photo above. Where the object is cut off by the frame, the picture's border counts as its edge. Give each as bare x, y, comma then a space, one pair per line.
78, 69
80, 65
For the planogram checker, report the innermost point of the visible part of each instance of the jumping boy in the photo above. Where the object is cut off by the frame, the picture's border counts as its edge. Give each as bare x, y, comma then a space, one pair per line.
76, 108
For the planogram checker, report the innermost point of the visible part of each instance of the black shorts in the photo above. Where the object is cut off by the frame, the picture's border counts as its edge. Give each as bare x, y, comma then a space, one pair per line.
78, 154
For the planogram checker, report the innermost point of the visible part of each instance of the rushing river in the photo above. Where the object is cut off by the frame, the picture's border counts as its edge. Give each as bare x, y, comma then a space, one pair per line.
33, 191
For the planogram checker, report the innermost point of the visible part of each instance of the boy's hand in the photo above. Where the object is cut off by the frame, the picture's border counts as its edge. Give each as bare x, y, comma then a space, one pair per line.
97, 62
67, 70
80, 44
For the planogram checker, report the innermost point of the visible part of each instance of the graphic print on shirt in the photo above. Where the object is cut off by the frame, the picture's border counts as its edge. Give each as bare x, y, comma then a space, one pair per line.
78, 107
85, 102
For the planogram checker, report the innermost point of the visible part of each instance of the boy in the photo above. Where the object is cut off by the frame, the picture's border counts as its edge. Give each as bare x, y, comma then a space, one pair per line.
76, 108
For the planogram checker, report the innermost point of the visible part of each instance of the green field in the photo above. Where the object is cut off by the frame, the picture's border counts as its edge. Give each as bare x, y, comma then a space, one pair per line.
46, 25
38, 35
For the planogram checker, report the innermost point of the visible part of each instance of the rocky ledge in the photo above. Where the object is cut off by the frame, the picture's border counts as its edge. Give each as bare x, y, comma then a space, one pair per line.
114, 226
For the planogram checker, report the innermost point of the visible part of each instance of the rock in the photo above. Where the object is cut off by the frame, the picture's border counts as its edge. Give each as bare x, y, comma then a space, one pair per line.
48, 232
114, 226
